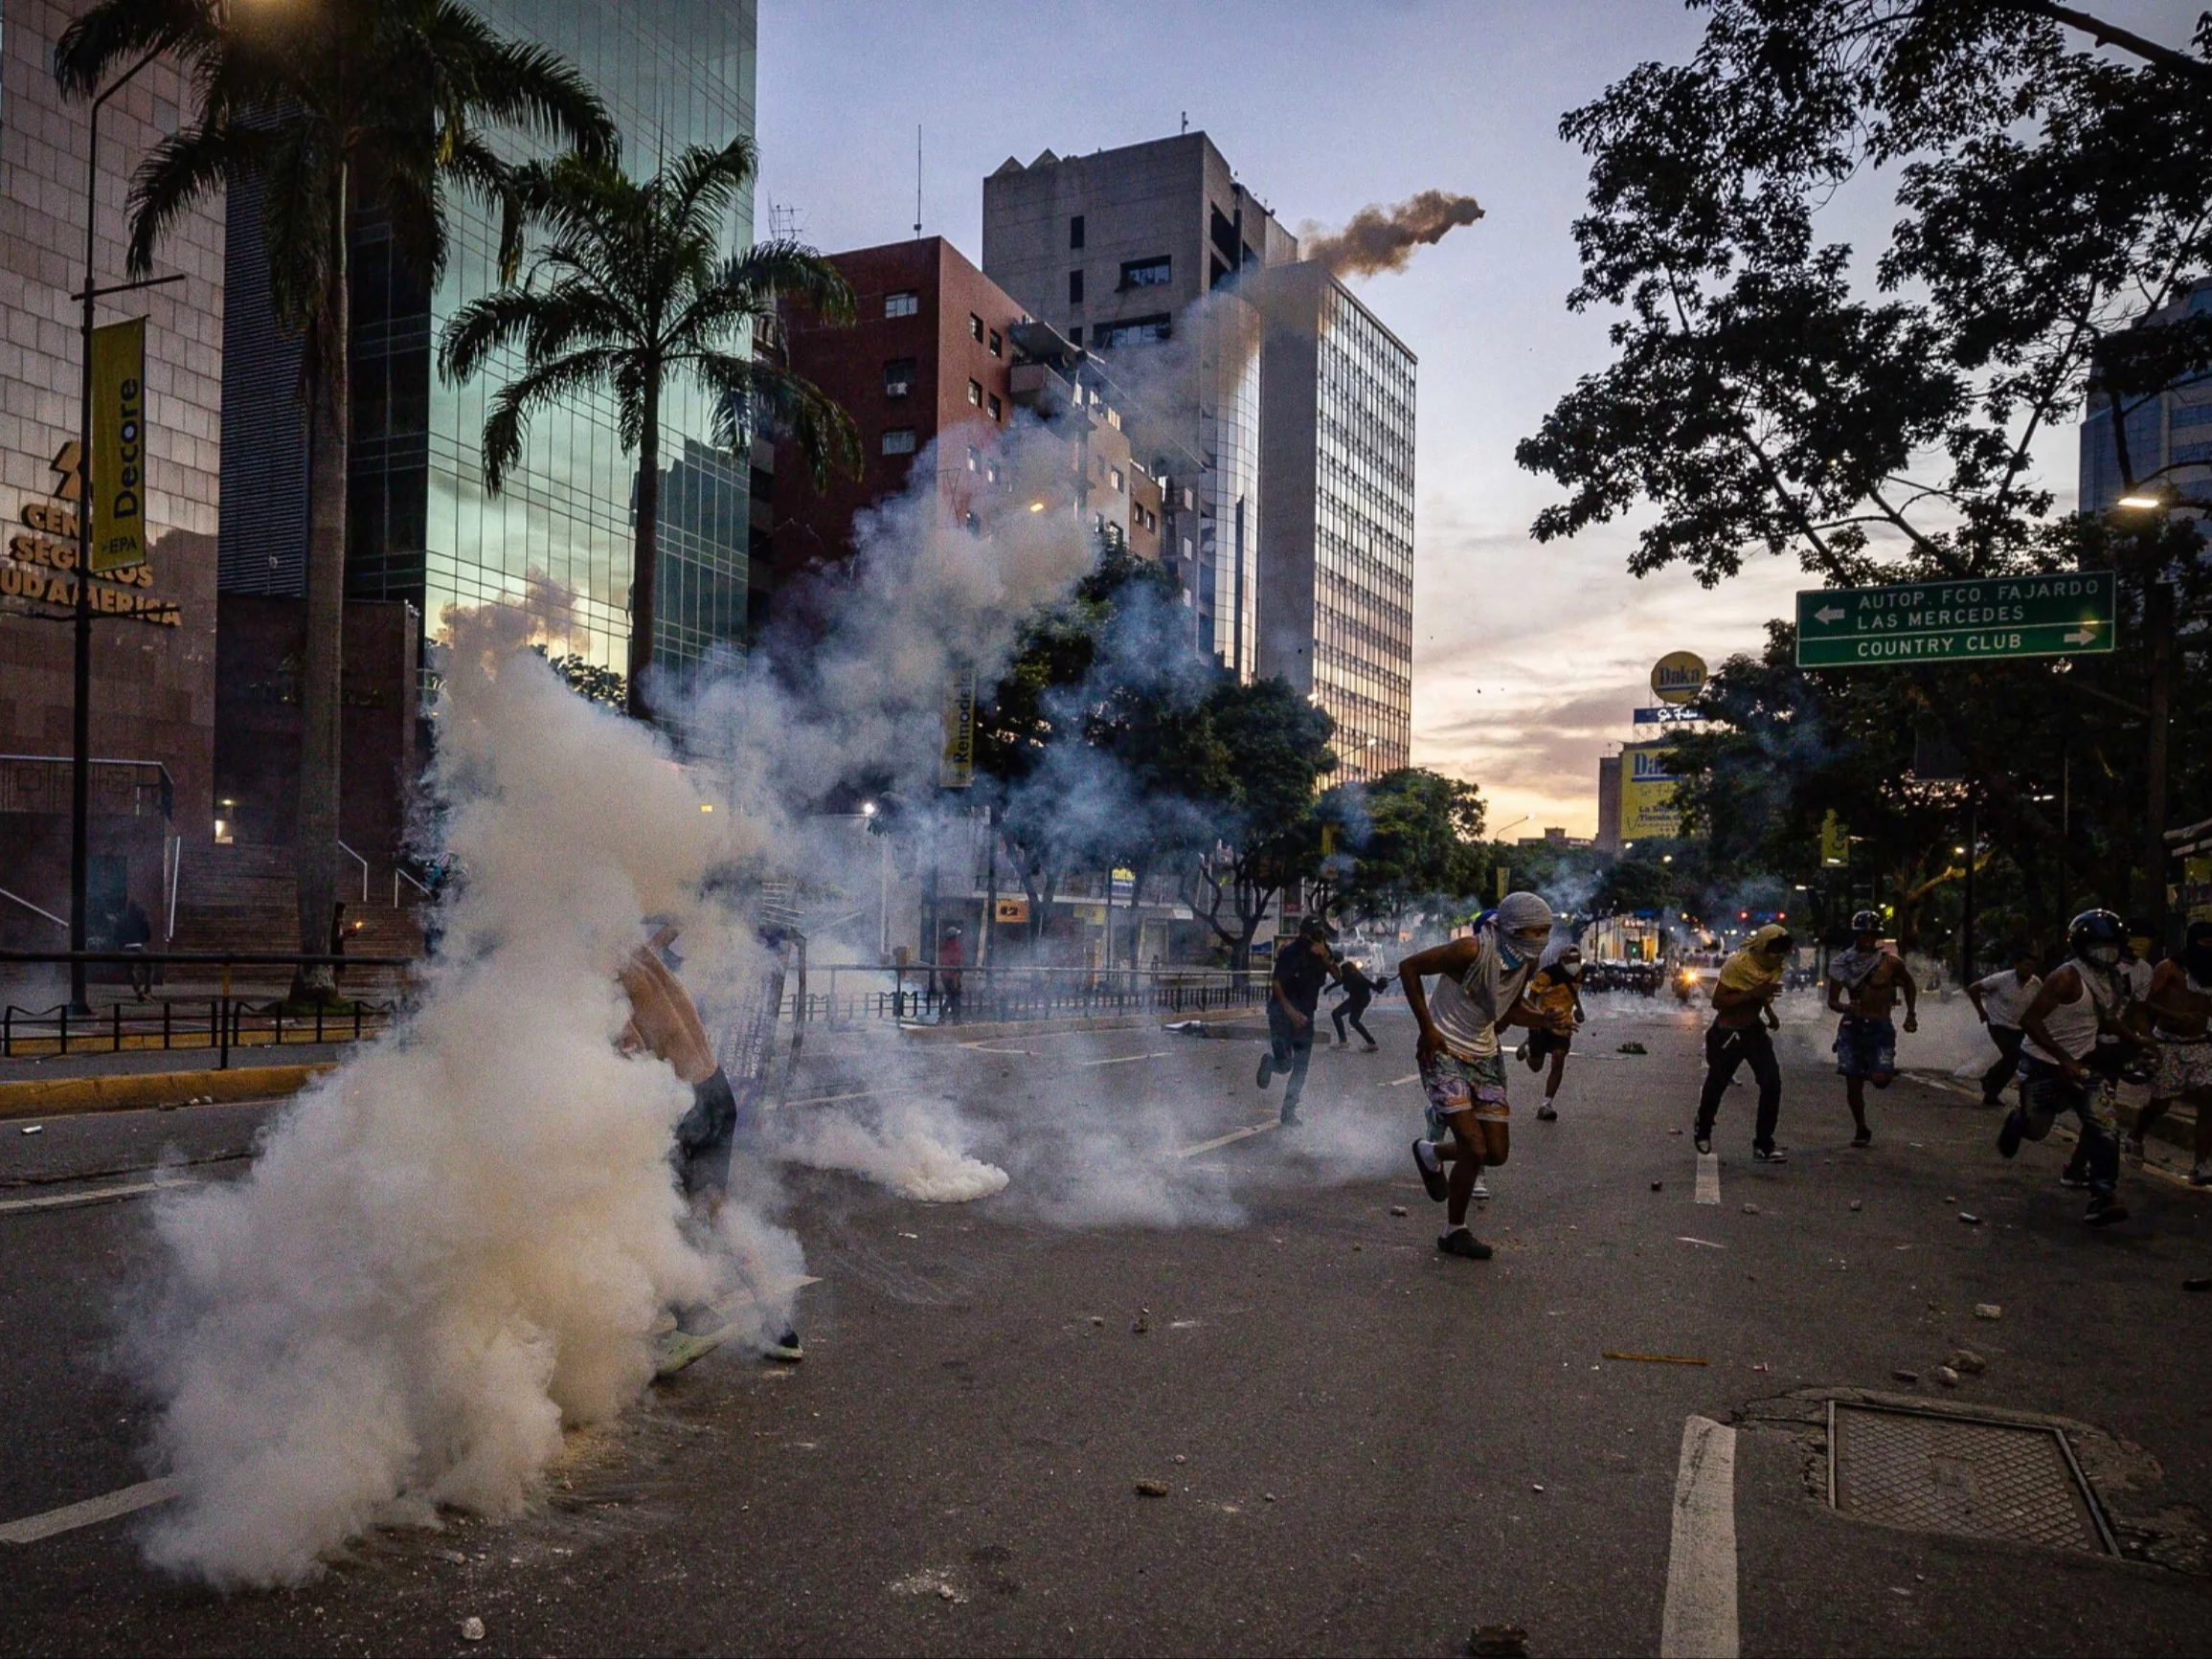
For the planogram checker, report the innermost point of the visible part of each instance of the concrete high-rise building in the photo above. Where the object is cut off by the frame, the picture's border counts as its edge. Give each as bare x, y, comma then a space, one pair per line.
421, 526
1336, 528
1137, 256
2169, 433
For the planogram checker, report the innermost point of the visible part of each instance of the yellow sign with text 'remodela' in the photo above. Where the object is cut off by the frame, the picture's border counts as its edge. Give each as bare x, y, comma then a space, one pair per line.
1647, 794
119, 446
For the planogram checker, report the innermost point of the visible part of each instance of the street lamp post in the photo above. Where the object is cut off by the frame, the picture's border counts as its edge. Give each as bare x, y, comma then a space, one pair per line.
80, 719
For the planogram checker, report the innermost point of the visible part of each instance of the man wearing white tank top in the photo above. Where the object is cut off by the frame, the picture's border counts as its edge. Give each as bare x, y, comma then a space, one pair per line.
1479, 980
2181, 1007
2084, 997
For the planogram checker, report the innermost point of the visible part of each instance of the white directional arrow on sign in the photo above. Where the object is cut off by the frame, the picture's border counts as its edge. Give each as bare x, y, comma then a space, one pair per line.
2082, 636
1830, 613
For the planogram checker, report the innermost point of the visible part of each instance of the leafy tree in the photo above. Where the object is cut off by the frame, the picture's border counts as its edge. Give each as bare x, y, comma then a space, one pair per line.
1269, 836
2049, 197
333, 109
1404, 841
630, 289
590, 680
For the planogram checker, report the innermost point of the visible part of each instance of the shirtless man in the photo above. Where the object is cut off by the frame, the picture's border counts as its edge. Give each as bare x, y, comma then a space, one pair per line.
2087, 995
1864, 984
1479, 981
2180, 1009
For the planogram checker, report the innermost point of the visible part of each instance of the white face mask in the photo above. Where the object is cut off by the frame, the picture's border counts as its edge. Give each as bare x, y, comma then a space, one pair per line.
2103, 955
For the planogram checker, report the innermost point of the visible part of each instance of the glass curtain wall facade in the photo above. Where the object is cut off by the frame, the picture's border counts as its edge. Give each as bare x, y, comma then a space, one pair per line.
424, 526
2169, 435
1227, 595
1363, 654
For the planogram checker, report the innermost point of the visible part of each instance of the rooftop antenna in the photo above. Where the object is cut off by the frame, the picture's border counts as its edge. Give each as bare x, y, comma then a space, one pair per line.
918, 182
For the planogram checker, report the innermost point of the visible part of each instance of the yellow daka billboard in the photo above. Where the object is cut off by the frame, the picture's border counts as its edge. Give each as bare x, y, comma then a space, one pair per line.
1647, 794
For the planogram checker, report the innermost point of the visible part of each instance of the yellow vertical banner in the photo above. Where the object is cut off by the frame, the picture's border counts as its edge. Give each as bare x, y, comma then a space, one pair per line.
119, 445
957, 766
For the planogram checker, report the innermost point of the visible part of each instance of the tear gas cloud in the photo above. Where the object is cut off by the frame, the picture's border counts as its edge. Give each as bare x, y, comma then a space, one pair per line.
1377, 239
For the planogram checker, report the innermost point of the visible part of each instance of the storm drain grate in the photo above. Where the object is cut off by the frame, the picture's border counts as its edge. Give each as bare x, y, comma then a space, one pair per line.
1939, 1474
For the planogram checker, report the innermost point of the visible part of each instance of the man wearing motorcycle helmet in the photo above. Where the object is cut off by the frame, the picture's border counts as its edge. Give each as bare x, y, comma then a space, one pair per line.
2084, 997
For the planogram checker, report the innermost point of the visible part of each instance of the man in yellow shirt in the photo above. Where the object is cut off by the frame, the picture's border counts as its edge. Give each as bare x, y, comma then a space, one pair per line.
1744, 1021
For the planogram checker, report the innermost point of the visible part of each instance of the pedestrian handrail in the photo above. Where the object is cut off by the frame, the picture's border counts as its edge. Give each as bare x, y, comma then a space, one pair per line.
363, 862
34, 909
920, 993
399, 875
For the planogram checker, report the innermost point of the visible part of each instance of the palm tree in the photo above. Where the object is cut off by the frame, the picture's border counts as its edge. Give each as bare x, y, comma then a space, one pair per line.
629, 288
333, 107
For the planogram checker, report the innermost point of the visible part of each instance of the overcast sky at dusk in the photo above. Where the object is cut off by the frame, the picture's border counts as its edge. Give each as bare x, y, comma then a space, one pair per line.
1527, 660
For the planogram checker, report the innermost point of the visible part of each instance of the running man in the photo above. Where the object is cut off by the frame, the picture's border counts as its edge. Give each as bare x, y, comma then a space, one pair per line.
2180, 1006
1864, 984
2086, 996
1302, 968
1998, 1003
1742, 1032
1479, 980
1359, 992
1555, 994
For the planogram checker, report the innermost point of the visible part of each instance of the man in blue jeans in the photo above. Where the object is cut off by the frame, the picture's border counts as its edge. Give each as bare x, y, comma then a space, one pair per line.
1864, 984
1302, 968
2087, 995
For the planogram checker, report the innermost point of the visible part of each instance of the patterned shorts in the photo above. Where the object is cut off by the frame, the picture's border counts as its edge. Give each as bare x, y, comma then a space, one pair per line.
2183, 1068
1454, 1085
1865, 1048
2047, 1093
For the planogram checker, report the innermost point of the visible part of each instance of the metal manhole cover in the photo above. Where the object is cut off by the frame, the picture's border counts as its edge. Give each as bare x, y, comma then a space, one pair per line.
1956, 1474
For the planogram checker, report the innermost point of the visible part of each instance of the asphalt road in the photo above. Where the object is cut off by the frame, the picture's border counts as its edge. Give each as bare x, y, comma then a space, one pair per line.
1366, 1448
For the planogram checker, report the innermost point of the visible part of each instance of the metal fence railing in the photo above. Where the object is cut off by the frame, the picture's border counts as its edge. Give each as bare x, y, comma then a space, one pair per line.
848, 993
222, 1020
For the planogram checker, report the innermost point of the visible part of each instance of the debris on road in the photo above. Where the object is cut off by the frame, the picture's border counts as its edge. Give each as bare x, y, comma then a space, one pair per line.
2197, 1284
1971, 1221
1143, 1322
1098, 1319
1762, 1365
1969, 1362
1152, 1489
1657, 1358
472, 1629
1397, 1209
34, 1128
1857, 1205
1988, 1311
1534, 1486
1635, 1048
1705, 1243
1946, 1376
1901, 1374
1751, 1209
1657, 1185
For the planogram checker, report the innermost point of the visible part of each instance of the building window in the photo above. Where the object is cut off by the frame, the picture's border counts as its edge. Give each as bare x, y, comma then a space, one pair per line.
906, 304
998, 345
1076, 335
1153, 273
998, 409
898, 377
1132, 331
974, 458
1075, 287
976, 393
975, 326
1076, 231
898, 440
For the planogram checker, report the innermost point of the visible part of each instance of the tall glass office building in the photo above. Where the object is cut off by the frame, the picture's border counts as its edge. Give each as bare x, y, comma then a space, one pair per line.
1336, 612
421, 525
2169, 435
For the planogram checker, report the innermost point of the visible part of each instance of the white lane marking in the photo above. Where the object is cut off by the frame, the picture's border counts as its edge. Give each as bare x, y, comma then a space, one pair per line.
1401, 1081
828, 1099
986, 1048
90, 1513
91, 1195
1234, 1135
1708, 1178
1702, 1243
1125, 1059
1700, 1621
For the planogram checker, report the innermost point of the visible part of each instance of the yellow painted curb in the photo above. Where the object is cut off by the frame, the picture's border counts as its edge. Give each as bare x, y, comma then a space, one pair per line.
63, 1096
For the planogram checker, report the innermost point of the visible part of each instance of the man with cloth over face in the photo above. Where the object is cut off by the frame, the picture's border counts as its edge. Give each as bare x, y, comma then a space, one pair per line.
1479, 981
1302, 968
1744, 1019
1864, 984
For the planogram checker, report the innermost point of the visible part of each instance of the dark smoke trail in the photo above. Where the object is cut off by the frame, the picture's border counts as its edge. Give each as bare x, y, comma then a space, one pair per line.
1379, 240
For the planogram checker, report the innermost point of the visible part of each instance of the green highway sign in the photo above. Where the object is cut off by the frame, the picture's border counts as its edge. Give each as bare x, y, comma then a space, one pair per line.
1992, 616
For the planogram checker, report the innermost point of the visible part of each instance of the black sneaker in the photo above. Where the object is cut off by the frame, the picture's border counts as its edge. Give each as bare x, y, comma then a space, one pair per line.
1266, 1073
1863, 1138
2104, 1210
1703, 1140
1547, 1113
1435, 1180
1459, 1242
2014, 1131
1772, 1154
785, 1348
2073, 1181
1291, 1118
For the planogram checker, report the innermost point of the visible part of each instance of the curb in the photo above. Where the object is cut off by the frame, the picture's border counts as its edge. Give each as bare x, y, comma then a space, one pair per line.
984, 1032
66, 1096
